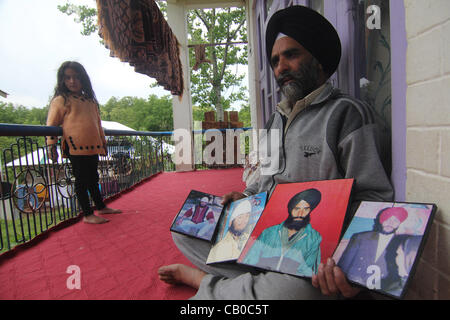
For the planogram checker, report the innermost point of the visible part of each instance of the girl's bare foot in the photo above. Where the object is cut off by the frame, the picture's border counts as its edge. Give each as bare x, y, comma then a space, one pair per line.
181, 274
92, 218
107, 210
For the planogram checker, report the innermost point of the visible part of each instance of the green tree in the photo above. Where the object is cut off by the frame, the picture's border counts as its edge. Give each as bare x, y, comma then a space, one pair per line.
85, 15
218, 29
213, 27
153, 114
18, 114
245, 115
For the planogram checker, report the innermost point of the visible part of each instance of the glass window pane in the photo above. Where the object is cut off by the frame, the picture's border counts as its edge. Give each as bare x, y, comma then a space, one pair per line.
373, 62
317, 5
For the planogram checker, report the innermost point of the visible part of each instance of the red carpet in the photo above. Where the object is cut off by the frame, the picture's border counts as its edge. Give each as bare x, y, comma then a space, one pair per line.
119, 259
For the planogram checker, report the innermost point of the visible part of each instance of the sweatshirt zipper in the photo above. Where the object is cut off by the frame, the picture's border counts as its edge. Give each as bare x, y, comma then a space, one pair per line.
283, 136
284, 251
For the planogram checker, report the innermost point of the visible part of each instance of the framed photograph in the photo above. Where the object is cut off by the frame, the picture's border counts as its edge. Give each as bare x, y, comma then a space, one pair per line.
382, 244
198, 216
299, 228
235, 228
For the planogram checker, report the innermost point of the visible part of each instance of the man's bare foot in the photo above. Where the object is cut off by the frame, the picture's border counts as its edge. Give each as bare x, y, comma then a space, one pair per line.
181, 274
92, 218
107, 210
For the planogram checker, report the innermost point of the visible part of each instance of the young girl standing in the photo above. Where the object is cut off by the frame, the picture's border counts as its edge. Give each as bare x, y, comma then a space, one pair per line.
75, 108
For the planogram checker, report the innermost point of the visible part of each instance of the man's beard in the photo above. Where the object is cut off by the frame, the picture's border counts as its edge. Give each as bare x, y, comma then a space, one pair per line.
305, 81
235, 232
296, 225
388, 232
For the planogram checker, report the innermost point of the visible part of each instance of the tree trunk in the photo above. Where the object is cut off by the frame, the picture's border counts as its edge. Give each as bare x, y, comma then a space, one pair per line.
219, 106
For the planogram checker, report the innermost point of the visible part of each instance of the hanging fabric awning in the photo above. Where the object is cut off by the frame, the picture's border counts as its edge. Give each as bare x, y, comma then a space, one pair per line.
136, 32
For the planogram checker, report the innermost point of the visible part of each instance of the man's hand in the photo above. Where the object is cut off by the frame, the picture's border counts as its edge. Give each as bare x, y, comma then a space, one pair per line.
232, 196
331, 281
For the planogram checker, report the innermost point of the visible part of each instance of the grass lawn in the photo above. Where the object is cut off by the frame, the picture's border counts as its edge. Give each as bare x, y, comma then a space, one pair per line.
26, 226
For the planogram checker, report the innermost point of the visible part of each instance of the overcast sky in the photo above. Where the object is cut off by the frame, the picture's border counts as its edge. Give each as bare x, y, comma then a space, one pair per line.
36, 38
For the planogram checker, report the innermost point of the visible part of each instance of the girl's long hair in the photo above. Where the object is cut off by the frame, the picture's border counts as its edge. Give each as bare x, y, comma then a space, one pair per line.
86, 86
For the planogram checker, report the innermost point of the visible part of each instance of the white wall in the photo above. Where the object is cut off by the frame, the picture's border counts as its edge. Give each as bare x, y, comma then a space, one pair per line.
428, 136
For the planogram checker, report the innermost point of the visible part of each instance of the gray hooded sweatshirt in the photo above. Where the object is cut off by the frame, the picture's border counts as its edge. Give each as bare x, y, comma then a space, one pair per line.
327, 135
332, 137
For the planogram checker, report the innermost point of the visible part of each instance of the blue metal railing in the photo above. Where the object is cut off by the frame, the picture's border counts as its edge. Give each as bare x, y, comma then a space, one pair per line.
37, 194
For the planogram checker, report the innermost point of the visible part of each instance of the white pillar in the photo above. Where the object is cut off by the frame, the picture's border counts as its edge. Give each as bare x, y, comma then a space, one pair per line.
255, 105
182, 105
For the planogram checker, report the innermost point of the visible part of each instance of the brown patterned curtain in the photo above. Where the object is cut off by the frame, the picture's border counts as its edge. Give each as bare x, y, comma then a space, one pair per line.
136, 32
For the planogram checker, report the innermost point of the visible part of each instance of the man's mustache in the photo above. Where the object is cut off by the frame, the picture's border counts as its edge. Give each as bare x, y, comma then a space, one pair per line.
286, 76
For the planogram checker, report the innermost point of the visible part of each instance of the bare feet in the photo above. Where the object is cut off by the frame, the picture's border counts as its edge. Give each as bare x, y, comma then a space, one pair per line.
92, 218
107, 210
181, 274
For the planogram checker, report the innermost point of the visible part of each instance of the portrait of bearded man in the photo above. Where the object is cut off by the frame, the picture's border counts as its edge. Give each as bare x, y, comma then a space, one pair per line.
368, 248
294, 245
